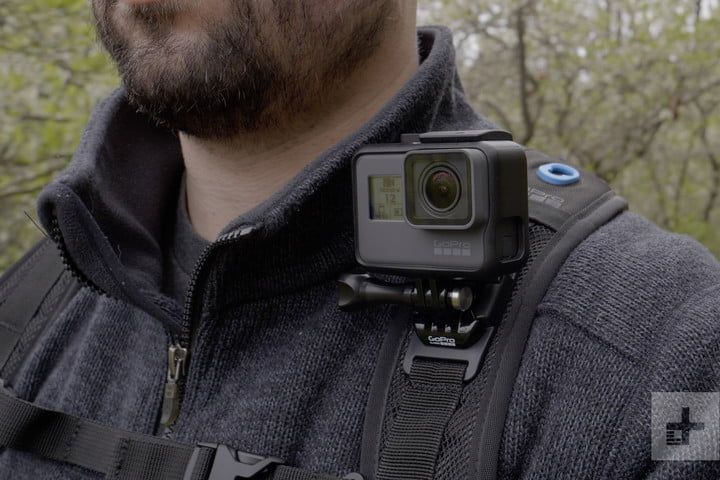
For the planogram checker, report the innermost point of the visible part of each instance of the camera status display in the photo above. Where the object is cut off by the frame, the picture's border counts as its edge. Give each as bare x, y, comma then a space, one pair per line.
386, 197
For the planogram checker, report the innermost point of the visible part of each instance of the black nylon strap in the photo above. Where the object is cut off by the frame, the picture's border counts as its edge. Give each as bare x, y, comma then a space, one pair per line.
118, 454
283, 472
22, 304
496, 397
413, 442
62, 437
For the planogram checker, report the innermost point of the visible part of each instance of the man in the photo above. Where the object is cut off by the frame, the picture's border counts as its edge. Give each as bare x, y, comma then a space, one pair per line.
208, 212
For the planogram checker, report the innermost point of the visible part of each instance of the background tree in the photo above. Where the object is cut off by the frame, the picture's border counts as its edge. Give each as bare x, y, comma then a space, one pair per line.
629, 89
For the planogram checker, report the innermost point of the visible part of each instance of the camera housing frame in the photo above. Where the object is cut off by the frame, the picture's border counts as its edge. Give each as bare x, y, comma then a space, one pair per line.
491, 240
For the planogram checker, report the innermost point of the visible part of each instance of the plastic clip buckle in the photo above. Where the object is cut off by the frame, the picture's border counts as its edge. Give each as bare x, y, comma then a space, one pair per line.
232, 464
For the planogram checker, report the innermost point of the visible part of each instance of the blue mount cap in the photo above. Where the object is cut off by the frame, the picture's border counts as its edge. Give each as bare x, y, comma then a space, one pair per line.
558, 174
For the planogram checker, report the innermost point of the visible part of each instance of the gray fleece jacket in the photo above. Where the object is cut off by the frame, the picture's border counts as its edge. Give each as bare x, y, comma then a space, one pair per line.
277, 369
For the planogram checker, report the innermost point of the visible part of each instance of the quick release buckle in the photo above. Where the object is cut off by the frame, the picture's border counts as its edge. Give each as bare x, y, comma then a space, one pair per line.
229, 464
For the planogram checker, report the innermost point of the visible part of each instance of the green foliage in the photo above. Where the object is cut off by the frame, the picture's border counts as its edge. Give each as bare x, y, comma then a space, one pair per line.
51, 74
629, 89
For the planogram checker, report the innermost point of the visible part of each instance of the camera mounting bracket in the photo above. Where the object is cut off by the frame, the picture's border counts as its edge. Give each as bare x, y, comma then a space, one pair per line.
450, 328
461, 336
472, 355
453, 319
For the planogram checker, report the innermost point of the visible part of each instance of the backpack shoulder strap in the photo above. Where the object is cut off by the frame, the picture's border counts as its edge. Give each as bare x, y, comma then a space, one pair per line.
572, 212
25, 287
566, 205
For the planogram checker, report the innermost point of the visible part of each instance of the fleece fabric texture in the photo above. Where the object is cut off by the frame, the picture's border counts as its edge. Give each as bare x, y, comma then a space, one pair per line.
182, 251
277, 369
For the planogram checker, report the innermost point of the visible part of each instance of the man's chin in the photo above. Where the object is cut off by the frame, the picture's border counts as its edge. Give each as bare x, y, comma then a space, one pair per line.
216, 70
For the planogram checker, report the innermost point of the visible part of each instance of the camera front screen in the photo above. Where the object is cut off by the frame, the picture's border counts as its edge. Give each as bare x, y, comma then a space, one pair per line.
386, 197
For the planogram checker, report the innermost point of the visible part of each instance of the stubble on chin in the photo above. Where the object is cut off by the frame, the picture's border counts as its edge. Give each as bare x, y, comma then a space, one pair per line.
244, 71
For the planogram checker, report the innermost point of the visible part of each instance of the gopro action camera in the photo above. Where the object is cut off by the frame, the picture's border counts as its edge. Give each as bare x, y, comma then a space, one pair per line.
442, 204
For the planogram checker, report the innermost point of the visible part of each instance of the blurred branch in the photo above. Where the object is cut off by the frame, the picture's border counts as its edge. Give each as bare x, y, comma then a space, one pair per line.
17, 192
524, 76
498, 111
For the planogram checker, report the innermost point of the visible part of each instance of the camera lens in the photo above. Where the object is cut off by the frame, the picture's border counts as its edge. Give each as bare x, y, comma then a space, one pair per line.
442, 189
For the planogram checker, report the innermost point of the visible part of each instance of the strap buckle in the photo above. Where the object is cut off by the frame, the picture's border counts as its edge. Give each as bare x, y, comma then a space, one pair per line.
230, 464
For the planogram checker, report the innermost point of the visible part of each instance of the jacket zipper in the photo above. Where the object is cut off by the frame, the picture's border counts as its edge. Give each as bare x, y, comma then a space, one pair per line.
177, 356
179, 350
56, 236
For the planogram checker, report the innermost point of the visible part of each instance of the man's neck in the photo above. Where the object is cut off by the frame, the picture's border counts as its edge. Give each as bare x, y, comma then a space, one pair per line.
226, 179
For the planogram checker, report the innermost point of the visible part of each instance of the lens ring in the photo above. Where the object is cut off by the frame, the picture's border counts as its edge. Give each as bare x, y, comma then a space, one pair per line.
441, 188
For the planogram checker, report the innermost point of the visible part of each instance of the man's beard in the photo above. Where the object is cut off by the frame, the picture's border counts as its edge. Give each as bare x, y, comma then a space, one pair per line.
247, 69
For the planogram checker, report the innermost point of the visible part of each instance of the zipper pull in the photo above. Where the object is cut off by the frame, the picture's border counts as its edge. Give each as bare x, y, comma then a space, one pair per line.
177, 357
